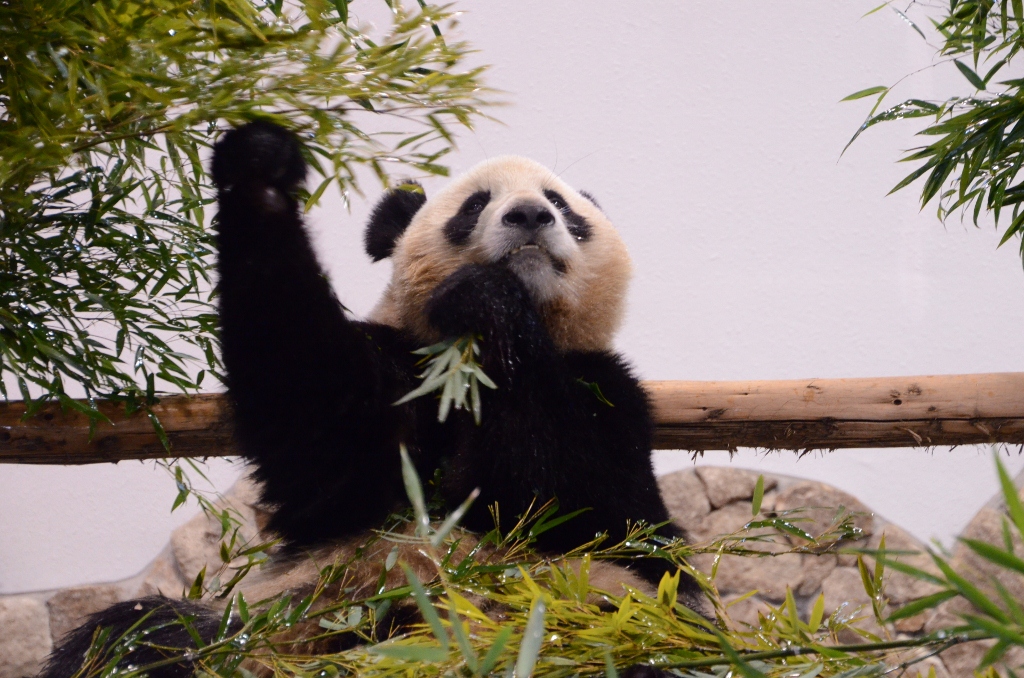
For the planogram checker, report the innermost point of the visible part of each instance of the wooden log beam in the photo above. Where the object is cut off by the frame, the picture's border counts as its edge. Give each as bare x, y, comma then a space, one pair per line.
196, 426
802, 414
809, 414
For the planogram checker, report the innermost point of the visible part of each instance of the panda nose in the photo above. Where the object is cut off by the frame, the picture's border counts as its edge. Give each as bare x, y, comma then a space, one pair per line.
529, 217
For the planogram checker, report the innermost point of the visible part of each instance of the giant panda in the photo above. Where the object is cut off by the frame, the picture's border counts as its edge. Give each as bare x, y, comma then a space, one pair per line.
507, 252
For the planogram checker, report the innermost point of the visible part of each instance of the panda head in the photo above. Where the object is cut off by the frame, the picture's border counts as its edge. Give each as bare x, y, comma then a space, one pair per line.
515, 212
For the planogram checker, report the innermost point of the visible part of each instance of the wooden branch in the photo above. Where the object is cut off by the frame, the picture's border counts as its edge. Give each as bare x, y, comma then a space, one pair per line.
197, 426
838, 413
690, 415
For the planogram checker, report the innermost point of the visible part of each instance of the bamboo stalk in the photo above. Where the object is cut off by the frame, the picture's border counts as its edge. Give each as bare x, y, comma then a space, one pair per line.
690, 415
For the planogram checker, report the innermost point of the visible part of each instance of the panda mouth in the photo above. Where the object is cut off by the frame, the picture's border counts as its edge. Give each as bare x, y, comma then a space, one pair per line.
528, 246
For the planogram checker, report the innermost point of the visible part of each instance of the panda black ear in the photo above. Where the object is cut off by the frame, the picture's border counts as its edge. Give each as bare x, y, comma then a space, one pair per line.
591, 198
391, 217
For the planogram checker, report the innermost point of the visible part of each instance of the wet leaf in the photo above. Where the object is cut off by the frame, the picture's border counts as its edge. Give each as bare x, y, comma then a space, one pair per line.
533, 637
755, 504
414, 490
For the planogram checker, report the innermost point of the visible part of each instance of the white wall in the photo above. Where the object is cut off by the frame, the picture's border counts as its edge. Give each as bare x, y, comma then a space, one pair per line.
711, 134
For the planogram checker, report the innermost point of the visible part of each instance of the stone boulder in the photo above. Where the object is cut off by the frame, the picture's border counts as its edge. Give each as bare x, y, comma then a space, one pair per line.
24, 636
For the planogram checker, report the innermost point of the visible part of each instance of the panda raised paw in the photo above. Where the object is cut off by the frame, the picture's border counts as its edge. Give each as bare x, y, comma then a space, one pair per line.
258, 154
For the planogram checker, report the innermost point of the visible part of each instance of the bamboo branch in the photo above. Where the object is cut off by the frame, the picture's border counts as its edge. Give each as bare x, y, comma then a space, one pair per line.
690, 415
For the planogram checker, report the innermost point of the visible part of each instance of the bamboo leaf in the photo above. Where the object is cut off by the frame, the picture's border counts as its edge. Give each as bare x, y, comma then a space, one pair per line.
755, 505
533, 637
919, 605
494, 653
427, 608
453, 519
968, 73
468, 653
910, 23
743, 667
414, 490
1010, 497
870, 91
817, 613
971, 592
994, 554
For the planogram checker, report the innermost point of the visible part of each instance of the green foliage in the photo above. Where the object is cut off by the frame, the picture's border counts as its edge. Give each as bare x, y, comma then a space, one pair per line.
107, 109
996, 613
525, 614
973, 163
239, 553
452, 368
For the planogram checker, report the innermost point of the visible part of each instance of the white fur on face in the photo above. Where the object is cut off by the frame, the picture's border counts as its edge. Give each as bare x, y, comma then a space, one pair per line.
540, 259
579, 285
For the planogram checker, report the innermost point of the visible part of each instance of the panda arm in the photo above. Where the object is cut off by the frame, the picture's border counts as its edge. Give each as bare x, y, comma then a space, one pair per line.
311, 389
488, 300
544, 429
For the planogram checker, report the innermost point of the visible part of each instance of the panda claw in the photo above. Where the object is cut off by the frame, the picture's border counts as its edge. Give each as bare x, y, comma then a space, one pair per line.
259, 153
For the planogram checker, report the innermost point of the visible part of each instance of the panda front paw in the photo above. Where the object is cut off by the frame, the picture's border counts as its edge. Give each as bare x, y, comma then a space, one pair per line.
479, 299
260, 153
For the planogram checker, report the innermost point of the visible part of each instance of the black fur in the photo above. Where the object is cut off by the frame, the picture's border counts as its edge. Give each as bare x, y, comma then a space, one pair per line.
458, 229
577, 225
312, 391
161, 633
391, 217
589, 196
545, 433
645, 671
260, 149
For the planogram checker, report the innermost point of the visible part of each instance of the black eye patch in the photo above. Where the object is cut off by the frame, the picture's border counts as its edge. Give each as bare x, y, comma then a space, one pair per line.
458, 229
577, 225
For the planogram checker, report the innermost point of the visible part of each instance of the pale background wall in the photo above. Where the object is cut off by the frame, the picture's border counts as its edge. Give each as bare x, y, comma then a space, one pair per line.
711, 134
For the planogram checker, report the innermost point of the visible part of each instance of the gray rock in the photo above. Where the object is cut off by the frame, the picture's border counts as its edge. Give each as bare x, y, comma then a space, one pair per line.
726, 520
987, 526
245, 492
196, 544
684, 497
912, 625
900, 587
724, 485
843, 586
68, 608
819, 505
162, 577
919, 664
24, 636
745, 612
770, 576
963, 659
814, 570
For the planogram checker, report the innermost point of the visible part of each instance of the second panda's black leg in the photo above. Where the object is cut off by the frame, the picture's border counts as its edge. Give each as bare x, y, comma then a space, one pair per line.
311, 389
570, 425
